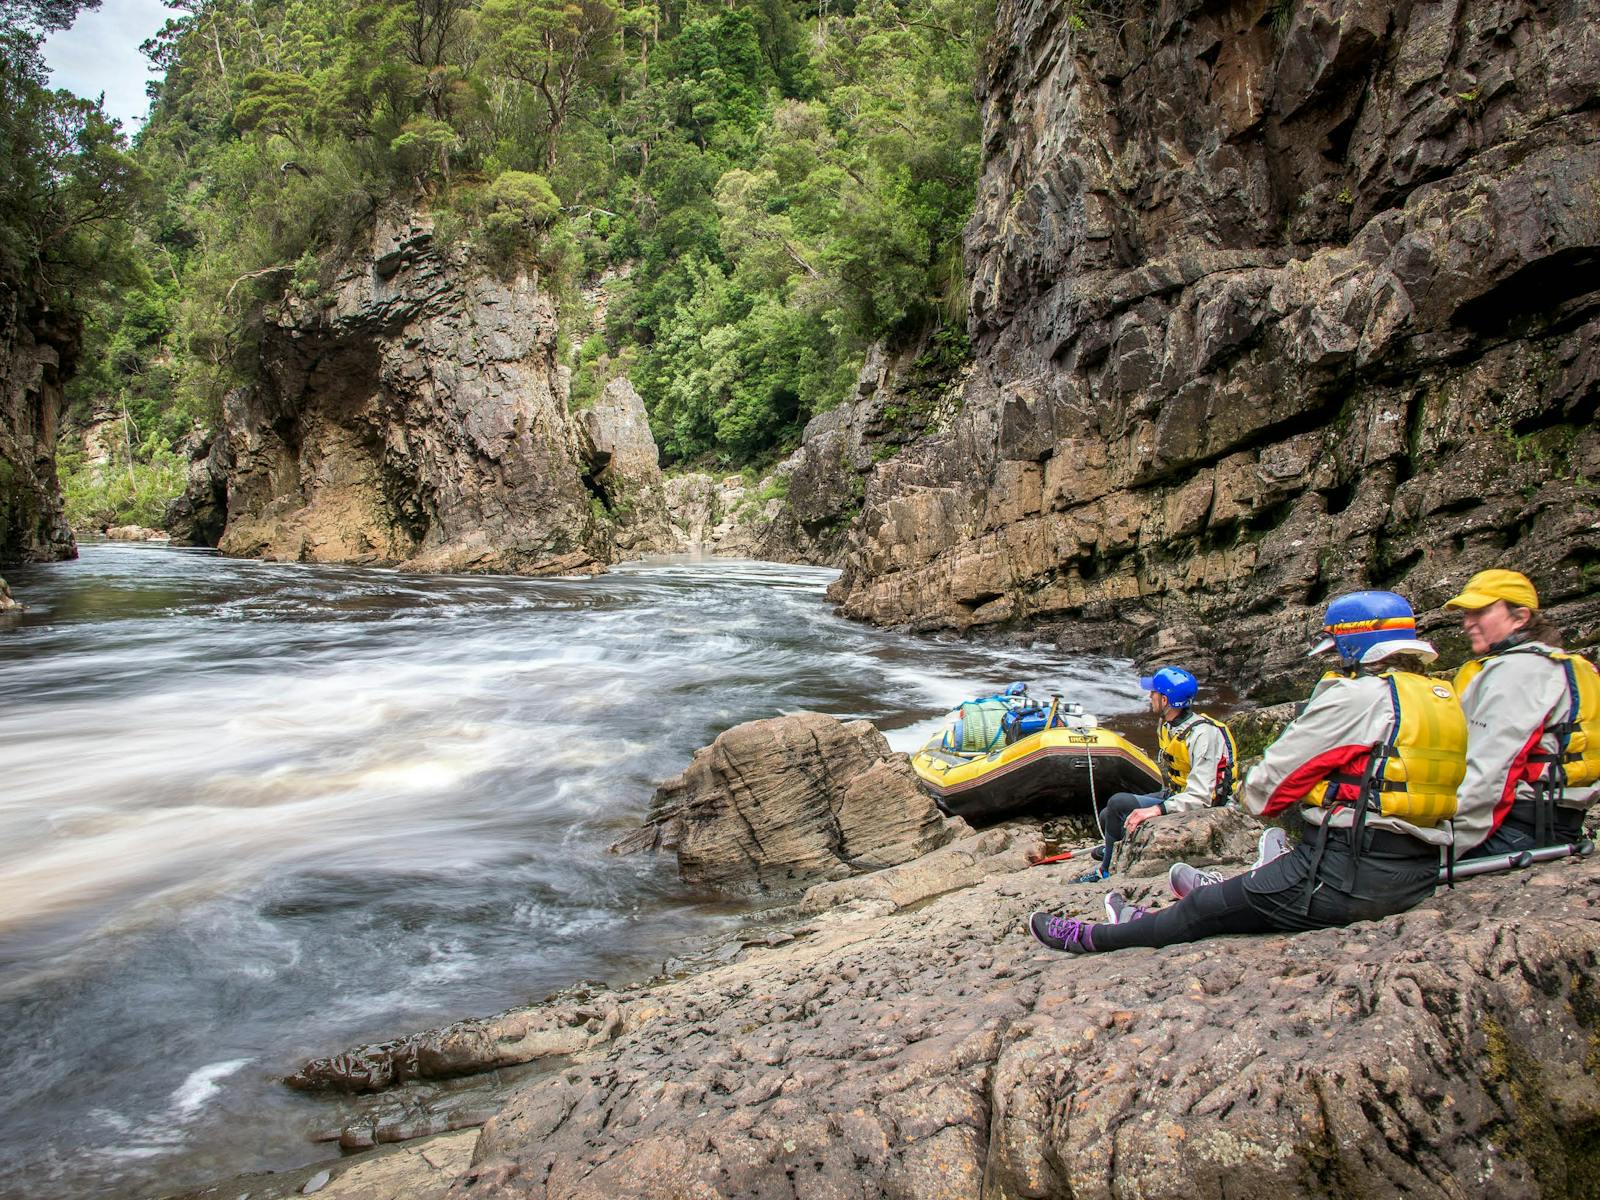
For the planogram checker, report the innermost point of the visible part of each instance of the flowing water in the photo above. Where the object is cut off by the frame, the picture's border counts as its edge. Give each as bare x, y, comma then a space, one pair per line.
253, 812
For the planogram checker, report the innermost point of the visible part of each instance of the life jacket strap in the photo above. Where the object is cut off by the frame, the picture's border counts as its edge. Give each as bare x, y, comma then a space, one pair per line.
1361, 781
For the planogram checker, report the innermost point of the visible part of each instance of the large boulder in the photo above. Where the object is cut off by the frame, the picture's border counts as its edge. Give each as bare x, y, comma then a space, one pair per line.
780, 804
1203, 837
411, 412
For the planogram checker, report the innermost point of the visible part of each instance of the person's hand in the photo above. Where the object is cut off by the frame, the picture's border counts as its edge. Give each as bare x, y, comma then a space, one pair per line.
1139, 816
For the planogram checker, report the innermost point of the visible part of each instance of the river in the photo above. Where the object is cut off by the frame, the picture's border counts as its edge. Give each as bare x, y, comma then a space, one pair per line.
254, 812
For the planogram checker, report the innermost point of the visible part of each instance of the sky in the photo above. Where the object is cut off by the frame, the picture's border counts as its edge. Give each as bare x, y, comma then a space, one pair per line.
100, 53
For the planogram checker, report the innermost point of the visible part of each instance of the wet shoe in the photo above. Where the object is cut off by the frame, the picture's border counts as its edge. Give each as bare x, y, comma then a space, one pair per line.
1274, 843
1061, 933
1183, 879
1094, 876
1120, 912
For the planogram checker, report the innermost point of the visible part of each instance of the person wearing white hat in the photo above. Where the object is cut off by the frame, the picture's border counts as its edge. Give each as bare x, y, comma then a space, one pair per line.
1533, 724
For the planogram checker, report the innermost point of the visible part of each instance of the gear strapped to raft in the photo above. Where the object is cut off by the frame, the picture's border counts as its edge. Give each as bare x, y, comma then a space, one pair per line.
1004, 718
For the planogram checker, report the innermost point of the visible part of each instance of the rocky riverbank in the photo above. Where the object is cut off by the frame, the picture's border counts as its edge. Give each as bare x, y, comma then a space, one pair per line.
899, 1034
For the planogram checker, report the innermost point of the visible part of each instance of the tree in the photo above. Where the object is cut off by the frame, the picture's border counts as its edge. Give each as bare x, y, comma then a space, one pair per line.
65, 175
554, 46
424, 143
278, 102
520, 206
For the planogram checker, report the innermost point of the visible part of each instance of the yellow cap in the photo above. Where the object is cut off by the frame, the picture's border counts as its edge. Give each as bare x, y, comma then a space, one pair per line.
1484, 588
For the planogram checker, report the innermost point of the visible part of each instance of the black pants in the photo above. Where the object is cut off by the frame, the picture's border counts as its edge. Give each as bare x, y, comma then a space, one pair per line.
1115, 815
1517, 831
1294, 892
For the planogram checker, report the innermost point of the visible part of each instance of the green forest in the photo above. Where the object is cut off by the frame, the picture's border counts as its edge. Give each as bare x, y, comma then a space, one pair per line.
766, 188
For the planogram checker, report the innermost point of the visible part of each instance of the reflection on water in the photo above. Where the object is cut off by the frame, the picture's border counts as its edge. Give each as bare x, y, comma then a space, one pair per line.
251, 812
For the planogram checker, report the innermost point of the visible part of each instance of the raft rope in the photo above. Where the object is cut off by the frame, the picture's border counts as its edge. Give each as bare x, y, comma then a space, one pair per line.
1094, 803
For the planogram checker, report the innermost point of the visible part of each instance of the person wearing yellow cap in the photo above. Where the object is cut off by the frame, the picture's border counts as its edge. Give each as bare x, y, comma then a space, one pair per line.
1533, 724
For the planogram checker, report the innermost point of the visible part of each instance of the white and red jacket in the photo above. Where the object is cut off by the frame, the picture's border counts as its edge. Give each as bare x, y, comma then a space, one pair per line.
1509, 704
1342, 721
1208, 752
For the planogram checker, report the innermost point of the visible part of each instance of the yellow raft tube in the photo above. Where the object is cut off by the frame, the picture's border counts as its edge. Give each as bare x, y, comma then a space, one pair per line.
1058, 770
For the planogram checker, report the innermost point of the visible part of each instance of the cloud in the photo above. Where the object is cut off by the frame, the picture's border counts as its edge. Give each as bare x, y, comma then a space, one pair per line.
100, 53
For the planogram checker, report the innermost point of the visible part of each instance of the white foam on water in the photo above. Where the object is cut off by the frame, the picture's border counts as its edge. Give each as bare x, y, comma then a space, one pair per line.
201, 1085
162, 1134
910, 738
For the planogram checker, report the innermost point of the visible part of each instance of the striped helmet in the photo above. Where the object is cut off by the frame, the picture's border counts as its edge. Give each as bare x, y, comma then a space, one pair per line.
1367, 626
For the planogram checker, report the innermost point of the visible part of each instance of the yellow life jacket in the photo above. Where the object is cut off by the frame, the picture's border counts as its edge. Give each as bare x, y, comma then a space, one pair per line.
1578, 736
1414, 775
1175, 760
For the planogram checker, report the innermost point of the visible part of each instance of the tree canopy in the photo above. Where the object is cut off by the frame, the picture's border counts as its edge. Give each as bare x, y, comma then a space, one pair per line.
764, 188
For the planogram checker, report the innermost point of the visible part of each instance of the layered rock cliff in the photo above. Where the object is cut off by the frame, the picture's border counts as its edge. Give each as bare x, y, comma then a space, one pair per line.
1270, 301
36, 351
415, 413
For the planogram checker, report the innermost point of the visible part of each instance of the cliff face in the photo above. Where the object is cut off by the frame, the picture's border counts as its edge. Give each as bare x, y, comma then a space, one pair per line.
418, 416
1269, 303
36, 350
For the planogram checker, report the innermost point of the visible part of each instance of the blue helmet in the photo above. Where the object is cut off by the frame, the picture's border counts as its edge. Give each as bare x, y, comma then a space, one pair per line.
1367, 626
1174, 683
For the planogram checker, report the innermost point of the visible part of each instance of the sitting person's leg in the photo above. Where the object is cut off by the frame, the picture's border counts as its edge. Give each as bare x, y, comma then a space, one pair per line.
1519, 832
1205, 912
1113, 819
1395, 873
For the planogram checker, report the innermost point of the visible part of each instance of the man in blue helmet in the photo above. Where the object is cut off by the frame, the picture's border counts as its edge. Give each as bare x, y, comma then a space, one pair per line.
1374, 760
1198, 761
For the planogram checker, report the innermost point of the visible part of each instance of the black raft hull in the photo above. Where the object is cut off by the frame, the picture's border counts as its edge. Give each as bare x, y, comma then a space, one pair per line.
1057, 772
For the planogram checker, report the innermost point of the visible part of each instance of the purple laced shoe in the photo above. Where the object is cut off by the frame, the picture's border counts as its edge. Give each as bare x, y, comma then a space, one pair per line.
1120, 912
1062, 933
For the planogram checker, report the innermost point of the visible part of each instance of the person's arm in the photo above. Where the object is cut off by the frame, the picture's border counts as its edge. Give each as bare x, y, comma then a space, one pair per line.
1206, 748
1335, 730
1506, 705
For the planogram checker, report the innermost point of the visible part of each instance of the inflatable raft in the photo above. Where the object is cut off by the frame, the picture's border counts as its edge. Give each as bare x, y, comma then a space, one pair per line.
1045, 761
